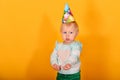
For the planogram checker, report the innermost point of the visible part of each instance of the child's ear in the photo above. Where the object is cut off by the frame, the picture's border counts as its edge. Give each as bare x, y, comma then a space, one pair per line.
77, 33
60, 31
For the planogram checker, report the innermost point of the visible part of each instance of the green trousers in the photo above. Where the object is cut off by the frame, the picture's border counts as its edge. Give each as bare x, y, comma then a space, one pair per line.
75, 76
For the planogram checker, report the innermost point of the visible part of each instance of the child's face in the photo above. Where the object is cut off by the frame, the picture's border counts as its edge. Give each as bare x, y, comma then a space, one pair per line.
68, 33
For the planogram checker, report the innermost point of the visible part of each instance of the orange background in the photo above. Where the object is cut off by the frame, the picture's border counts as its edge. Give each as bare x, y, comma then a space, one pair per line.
29, 29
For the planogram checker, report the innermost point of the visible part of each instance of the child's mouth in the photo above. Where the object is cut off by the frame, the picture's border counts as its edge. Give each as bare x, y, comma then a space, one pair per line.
67, 39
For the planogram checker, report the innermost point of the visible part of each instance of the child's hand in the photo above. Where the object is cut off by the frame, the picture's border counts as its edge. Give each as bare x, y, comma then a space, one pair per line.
56, 67
67, 66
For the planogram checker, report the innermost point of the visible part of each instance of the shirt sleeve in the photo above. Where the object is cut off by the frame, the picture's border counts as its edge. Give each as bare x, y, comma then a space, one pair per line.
53, 57
75, 53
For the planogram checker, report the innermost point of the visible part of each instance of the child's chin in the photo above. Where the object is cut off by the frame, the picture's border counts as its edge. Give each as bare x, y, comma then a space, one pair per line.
68, 41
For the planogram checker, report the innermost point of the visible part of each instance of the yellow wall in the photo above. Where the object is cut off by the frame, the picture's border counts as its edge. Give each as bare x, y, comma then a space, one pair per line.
29, 29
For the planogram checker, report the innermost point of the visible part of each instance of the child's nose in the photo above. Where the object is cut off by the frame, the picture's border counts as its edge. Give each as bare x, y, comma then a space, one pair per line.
67, 35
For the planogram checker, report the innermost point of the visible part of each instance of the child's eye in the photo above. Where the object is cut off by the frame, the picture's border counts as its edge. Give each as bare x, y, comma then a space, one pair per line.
64, 32
71, 32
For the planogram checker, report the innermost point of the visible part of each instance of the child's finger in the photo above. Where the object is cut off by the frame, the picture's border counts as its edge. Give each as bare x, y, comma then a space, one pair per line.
65, 67
57, 67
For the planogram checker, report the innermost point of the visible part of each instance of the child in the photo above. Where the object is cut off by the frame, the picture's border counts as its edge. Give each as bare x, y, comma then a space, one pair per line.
65, 57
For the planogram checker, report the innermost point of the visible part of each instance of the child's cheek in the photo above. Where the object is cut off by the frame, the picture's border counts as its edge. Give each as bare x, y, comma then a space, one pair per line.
73, 37
63, 37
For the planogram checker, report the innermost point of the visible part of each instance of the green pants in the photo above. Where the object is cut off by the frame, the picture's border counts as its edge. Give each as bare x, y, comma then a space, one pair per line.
75, 76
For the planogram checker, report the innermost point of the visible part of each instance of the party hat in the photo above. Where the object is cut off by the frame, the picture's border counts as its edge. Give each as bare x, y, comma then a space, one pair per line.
67, 16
